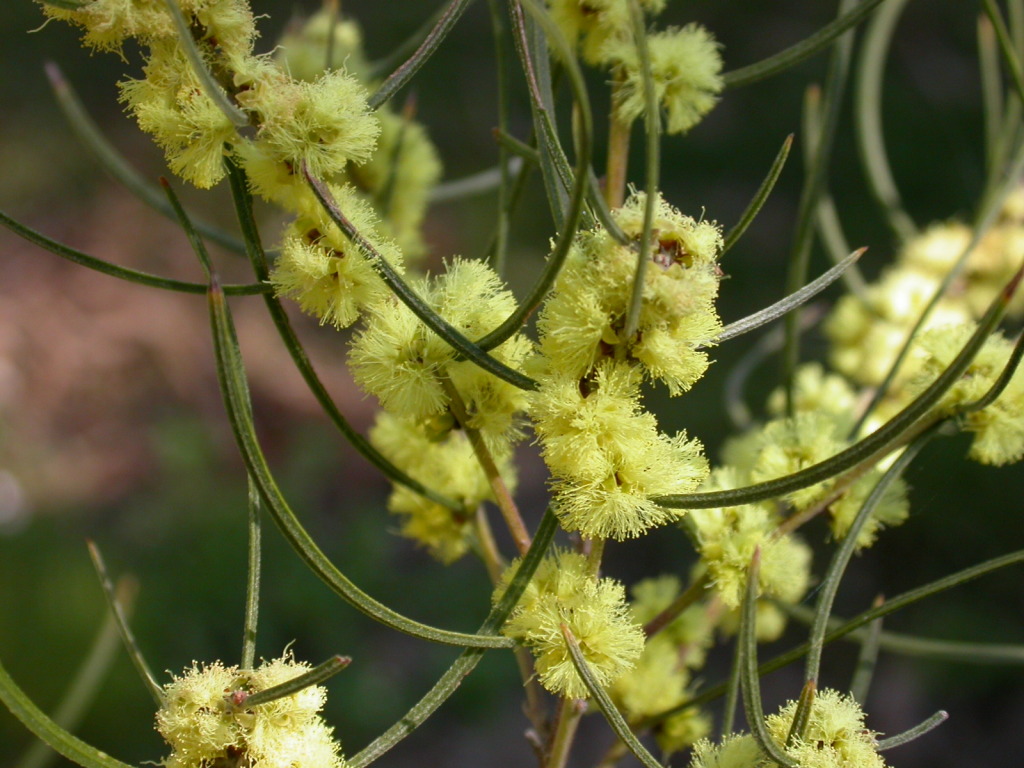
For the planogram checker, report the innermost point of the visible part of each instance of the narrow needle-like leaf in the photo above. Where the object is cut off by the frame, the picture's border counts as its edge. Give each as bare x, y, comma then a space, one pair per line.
115, 164
210, 86
316, 675
868, 114
992, 97
750, 683
127, 637
122, 273
781, 307
394, 82
1010, 57
918, 730
87, 681
252, 586
608, 708
530, 34
763, 191
841, 558
37, 721
867, 658
475, 184
963, 652
1002, 380
802, 714
803, 50
815, 186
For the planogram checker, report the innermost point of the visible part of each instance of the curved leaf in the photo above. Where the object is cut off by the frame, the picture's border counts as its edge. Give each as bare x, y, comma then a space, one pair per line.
122, 273
803, 50
394, 82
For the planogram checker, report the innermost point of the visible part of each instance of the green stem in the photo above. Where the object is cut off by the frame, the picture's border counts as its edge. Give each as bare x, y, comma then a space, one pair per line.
652, 122
688, 597
567, 719
506, 504
616, 171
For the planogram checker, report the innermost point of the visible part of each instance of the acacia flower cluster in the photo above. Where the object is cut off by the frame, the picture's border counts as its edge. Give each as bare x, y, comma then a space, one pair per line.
834, 737
564, 590
205, 720
868, 331
685, 61
604, 449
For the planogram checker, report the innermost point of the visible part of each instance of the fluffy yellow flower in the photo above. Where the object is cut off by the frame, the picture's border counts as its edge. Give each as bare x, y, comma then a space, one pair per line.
205, 721
583, 319
442, 459
322, 269
835, 737
998, 429
398, 359
685, 68
564, 591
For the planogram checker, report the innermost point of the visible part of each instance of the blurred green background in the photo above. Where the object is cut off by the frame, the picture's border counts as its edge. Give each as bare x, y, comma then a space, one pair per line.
111, 426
